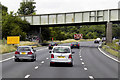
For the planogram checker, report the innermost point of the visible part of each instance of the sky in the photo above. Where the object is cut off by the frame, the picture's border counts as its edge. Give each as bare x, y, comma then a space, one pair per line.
63, 6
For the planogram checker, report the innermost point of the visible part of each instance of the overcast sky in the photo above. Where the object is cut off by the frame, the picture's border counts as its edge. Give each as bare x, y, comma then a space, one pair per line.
59, 6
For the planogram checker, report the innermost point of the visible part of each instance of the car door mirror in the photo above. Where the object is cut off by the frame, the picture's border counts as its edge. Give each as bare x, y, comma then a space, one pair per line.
73, 52
34, 50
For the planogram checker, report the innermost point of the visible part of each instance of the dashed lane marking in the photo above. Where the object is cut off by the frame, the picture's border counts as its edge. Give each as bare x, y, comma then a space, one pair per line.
85, 69
83, 63
81, 59
42, 62
36, 67
27, 76
91, 77
47, 58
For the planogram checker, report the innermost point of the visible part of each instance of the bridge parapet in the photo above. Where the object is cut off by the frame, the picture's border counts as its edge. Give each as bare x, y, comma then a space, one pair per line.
74, 17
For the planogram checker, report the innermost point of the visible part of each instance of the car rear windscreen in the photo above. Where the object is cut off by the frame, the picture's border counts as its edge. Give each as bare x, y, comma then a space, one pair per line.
61, 50
24, 49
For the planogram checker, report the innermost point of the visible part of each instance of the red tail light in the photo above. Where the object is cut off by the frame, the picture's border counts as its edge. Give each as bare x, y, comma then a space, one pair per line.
71, 44
29, 52
70, 56
78, 44
49, 44
52, 56
17, 52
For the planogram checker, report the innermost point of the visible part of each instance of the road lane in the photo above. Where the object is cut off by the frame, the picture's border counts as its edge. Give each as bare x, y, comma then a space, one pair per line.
77, 71
89, 62
11, 69
98, 64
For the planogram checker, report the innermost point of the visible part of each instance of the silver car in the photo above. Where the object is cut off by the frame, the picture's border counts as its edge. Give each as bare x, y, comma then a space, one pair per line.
25, 52
61, 54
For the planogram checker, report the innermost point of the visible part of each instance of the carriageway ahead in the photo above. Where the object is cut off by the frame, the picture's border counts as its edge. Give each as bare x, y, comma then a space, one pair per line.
77, 18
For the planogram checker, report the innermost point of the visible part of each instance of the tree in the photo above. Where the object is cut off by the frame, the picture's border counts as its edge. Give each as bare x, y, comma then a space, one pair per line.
13, 25
27, 8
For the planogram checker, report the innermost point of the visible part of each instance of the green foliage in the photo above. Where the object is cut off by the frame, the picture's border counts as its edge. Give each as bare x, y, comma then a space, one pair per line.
27, 8
13, 26
116, 30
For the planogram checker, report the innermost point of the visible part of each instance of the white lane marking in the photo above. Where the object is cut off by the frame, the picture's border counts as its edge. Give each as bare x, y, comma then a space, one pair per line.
83, 63
13, 56
36, 67
91, 77
47, 58
27, 76
42, 62
8, 53
80, 56
108, 55
7, 59
85, 69
41, 49
81, 59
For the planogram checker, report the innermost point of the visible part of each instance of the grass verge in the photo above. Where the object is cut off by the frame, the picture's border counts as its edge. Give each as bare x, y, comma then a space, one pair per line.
112, 48
11, 48
111, 51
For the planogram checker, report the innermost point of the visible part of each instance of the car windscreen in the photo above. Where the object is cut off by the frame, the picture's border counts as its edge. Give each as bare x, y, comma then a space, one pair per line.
52, 43
24, 49
61, 50
74, 43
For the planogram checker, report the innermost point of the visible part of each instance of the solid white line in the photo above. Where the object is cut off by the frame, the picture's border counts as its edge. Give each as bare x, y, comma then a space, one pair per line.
91, 77
108, 55
8, 53
7, 59
85, 69
36, 67
42, 62
13, 56
27, 76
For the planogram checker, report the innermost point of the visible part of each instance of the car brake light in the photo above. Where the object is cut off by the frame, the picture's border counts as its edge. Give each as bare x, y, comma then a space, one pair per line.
17, 52
71, 44
29, 52
52, 56
78, 44
70, 56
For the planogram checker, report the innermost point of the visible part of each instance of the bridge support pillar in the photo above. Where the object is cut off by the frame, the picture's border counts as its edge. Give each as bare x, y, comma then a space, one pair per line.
109, 32
40, 35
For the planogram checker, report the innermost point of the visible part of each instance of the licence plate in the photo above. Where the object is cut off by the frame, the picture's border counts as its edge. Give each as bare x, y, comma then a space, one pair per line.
23, 53
61, 56
74, 45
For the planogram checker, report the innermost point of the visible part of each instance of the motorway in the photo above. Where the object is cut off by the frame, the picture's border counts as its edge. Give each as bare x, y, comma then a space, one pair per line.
89, 62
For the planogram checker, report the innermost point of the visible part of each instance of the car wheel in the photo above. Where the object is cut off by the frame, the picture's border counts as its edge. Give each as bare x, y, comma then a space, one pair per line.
78, 48
71, 65
35, 59
16, 60
51, 64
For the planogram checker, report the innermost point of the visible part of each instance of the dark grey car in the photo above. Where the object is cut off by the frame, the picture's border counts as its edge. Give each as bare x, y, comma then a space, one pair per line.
25, 52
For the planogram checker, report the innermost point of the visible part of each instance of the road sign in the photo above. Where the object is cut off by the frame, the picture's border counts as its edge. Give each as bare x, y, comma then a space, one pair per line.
13, 40
78, 36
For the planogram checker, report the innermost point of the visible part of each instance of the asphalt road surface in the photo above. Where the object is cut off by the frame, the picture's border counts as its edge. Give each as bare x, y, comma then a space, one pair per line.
89, 62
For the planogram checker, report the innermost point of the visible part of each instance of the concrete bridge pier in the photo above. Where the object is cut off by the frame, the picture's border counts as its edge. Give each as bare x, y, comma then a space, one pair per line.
40, 35
109, 32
